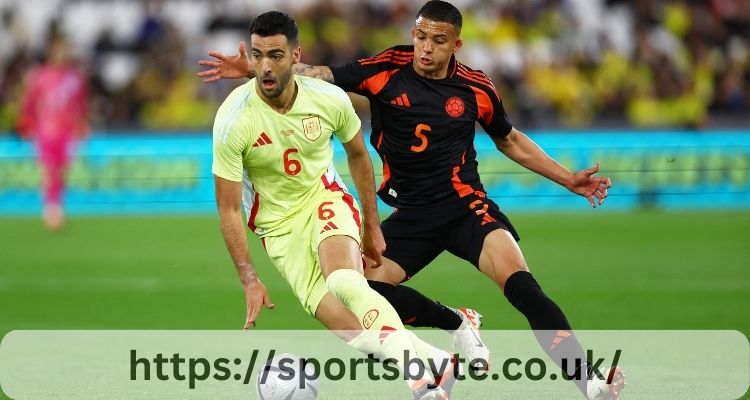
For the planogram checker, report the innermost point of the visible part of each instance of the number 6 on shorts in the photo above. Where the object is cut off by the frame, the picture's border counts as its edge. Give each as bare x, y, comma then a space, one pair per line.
325, 213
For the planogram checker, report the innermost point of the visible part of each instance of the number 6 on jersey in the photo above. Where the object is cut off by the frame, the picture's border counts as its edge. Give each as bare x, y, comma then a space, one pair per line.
292, 167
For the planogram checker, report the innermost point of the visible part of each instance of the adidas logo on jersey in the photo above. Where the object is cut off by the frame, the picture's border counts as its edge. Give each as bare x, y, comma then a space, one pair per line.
262, 140
402, 100
330, 225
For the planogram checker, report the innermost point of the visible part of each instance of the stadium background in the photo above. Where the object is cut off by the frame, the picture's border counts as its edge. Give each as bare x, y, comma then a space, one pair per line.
658, 91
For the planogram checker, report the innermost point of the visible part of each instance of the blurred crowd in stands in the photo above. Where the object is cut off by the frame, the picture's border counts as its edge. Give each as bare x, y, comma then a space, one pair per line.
556, 63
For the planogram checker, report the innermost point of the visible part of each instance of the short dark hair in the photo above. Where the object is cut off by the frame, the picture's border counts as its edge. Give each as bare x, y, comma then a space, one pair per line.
276, 23
441, 11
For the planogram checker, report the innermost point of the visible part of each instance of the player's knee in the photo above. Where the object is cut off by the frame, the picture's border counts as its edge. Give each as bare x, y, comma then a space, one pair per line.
389, 273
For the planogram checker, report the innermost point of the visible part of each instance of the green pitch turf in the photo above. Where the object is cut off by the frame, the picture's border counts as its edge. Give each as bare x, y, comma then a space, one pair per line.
606, 271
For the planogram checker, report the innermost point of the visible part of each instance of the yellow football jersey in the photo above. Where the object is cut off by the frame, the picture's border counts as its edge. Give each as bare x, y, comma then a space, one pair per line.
285, 160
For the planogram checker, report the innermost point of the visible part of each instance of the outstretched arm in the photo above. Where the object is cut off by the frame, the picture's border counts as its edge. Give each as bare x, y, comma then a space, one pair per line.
228, 200
519, 148
321, 72
238, 66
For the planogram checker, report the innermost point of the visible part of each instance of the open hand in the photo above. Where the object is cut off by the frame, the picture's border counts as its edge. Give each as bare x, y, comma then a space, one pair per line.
226, 67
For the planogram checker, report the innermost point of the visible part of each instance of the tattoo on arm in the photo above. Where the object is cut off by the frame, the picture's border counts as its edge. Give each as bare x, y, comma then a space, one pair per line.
320, 72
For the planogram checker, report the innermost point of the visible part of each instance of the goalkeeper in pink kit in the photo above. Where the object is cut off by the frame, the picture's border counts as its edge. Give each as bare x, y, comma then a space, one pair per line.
54, 114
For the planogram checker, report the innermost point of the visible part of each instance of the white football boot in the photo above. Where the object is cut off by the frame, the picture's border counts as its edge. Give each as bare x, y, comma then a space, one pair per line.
469, 344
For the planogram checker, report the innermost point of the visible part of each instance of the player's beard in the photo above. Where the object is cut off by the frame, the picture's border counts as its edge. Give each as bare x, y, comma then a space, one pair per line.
281, 83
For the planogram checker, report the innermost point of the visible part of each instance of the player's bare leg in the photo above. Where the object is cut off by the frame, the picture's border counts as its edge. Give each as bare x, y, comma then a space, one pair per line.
502, 261
339, 252
501, 257
52, 187
389, 272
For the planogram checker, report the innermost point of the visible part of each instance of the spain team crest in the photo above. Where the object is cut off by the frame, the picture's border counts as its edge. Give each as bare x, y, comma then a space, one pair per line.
311, 126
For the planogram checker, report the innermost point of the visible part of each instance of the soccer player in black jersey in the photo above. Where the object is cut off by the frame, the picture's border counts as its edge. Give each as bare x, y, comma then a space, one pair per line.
424, 107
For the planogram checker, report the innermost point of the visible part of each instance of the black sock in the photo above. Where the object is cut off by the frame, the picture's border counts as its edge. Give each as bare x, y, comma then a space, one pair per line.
550, 326
415, 309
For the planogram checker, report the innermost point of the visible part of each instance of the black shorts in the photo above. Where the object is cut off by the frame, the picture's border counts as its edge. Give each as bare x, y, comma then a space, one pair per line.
414, 237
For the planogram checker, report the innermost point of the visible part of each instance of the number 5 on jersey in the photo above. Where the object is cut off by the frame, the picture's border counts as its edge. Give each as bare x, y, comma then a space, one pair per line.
423, 142
292, 167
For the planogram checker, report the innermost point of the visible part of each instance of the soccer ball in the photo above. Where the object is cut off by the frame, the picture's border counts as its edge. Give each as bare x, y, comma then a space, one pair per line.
281, 378
598, 389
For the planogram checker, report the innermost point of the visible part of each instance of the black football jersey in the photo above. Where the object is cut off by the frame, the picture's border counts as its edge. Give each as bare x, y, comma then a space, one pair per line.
423, 129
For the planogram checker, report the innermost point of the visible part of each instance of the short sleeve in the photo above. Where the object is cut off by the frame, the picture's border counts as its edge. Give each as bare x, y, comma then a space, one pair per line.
230, 144
348, 122
491, 115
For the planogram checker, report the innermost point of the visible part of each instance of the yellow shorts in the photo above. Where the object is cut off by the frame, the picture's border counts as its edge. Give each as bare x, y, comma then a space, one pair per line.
295, 255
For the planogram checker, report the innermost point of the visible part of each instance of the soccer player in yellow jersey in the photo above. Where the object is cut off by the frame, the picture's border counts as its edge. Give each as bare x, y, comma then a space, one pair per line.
272, 146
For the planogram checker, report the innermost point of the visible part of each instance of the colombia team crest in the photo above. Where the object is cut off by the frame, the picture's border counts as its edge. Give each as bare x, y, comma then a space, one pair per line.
454, 107
311, 127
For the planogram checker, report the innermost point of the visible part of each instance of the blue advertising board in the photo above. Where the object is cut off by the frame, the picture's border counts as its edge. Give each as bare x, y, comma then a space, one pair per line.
133, 174
172, 174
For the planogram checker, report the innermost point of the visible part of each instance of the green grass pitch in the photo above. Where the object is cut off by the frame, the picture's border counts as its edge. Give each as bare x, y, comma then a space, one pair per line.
646, 270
